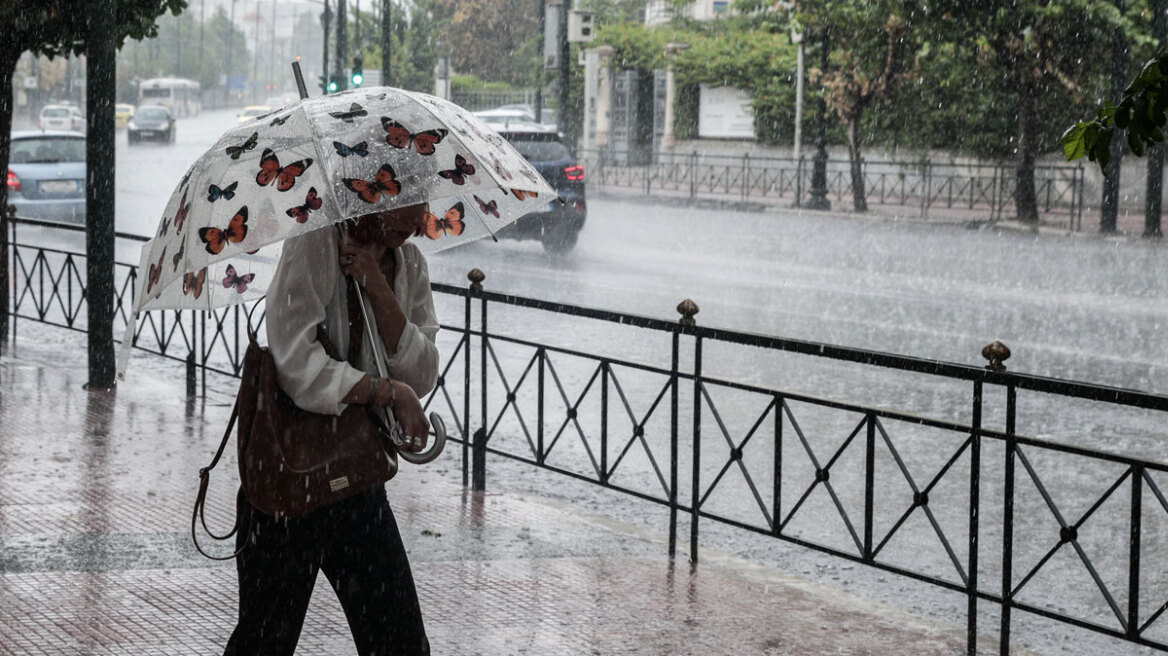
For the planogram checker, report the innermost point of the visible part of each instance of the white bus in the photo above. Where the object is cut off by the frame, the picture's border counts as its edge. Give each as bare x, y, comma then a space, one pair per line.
181, 96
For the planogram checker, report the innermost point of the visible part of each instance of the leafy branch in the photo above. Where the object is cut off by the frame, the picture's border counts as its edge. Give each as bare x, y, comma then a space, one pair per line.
1142, 113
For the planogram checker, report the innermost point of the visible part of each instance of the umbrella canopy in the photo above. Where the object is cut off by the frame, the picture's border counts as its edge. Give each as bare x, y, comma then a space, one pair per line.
320, 161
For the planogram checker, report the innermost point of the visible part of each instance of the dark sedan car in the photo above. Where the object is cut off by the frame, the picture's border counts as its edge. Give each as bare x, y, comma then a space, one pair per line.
151, 123
558, 224
46, 176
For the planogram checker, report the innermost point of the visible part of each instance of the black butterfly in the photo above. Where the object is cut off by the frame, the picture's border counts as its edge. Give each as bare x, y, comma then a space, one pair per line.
280, 120
355, 110
361, 149
250, 144
461, 171
214, 193
165, 226
182, 249
186, 178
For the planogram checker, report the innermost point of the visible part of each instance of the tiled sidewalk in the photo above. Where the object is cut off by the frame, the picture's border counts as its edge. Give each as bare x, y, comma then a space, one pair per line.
95, 552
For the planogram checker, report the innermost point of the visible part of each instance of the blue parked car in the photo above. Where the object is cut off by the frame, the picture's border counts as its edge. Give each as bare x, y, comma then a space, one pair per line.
46, 176
556, 225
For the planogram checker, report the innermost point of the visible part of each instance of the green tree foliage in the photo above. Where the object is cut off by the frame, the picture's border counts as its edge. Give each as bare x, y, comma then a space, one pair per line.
1025, 43
60, 27
873, 51
1141, 114
494, 40
175, 52
413, 46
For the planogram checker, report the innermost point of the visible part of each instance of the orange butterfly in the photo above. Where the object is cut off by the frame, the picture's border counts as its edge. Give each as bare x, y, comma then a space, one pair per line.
155, 272
216, 239
450, 223
524, 195
285, 176
384, 183
399, 137
193, 282
181, 215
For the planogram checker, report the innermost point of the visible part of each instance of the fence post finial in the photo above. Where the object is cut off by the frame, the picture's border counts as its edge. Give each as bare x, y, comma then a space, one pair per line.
997, 353
476, 279
687, 309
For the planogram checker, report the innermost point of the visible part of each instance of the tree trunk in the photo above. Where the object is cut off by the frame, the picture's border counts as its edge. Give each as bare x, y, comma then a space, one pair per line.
1025, 196
8, 58
859, 197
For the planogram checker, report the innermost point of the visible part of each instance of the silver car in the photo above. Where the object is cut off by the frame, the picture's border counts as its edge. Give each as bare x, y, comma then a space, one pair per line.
46, 176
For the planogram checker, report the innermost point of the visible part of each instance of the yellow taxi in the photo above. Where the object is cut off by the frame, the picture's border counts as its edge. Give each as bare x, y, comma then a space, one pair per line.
250, 112
122, 114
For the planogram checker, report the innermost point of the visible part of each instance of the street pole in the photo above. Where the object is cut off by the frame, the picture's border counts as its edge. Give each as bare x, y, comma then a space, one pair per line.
99, 193
255, 55
1109, 210
818, 193
565, 70
540, 74
230, 48
202, 25
1156, 152
797, 37
325, 19
342, 47
386, 44
272, 51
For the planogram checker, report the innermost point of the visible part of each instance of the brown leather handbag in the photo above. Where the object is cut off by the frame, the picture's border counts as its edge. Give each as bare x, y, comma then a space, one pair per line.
292, 461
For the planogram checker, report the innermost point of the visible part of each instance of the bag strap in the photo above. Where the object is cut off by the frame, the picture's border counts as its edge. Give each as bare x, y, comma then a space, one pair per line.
198, 515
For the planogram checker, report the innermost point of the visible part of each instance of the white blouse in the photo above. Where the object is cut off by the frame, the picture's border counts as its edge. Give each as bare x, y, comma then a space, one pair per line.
309, 289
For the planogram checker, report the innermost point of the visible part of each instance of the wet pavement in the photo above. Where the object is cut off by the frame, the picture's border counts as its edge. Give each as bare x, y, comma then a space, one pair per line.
96, 556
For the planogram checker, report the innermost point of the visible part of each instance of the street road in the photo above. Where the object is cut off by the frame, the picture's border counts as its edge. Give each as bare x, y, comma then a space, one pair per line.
1078, 307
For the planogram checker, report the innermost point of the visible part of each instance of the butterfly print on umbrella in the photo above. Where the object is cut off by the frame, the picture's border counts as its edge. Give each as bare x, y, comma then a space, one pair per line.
232, 279
216, 239
311, 202
361, 149
180, 217
154, 274
164, 227
423, 143
193, 283
524, 195
384, 183
498, 166
284, 176
279, 120
491, 208
178, 257
462, 171
250, 144
355, 111
214, 193
450, 223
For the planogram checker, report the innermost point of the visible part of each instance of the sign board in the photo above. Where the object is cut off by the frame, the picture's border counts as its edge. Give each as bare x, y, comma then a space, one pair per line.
30, 82
725, 113
580, 26
551, 35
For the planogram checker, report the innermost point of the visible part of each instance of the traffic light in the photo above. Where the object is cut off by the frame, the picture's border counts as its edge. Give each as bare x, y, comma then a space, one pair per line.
333, 85
356, 77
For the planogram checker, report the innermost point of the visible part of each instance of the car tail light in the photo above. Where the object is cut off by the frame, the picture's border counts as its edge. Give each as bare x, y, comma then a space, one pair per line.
574, 172
13, 182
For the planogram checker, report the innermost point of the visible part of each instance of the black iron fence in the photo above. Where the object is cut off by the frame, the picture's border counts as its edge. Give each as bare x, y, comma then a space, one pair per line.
924, 188
734, 428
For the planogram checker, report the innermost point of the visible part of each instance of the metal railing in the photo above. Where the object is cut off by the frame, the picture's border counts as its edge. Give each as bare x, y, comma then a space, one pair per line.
924, 187
907, 492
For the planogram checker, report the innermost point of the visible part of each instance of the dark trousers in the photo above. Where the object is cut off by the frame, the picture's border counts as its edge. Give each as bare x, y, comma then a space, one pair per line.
355, 542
